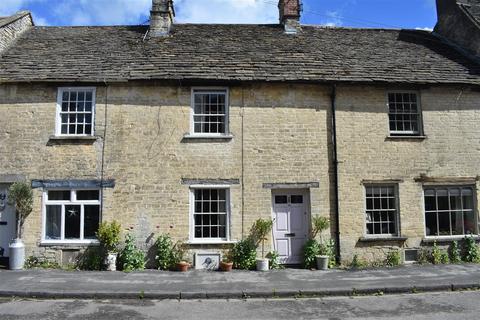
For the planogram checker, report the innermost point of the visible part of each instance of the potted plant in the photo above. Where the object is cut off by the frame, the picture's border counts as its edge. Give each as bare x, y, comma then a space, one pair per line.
320, 224
179, 252
226, 264
20, 196
259, 232
165, 257
108, 235
244, 254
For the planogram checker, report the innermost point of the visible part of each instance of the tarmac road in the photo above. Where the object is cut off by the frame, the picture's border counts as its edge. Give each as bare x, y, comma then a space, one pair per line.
440, 305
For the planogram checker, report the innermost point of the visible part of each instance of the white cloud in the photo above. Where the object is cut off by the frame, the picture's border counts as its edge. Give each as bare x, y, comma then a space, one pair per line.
424, 29
226, 11
8, 7
39, 21
115, 12
333, 19
102, 12
112, 12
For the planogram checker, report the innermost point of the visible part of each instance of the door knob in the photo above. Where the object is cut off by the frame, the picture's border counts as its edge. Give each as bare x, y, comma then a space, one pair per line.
289, 234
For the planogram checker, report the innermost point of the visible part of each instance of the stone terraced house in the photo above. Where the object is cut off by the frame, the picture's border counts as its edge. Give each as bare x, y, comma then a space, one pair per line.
199, 129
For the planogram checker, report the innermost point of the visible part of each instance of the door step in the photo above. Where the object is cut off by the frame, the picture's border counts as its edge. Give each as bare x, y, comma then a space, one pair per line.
293, 266
3, 263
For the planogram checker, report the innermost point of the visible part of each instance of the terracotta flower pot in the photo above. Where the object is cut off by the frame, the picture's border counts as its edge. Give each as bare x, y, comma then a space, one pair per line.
182, 266
226, 266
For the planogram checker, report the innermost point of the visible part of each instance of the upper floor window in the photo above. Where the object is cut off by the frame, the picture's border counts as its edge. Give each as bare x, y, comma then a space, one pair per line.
404, 113
75, 112
450, 211
381, 210
209, 112
210, 214
71, 215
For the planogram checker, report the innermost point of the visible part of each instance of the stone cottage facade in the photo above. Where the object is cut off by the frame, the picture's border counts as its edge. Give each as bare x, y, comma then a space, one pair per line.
199, 130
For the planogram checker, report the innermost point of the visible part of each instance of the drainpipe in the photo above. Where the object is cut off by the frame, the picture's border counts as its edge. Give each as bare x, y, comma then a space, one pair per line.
102, 170
335, 171
243, 161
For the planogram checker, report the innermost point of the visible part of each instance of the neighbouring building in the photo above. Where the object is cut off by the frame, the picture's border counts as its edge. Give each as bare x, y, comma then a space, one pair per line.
197, 130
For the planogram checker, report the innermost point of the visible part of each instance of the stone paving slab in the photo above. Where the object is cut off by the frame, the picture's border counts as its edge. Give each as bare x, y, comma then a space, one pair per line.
153, 284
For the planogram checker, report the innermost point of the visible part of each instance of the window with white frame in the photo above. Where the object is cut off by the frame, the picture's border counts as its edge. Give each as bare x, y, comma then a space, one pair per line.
450, 211
71, 215
210, 210
75, 112
381, 210
404, 113
209, 112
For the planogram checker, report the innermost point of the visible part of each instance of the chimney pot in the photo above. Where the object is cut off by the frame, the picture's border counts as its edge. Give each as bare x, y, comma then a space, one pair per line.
161, 17
289, 11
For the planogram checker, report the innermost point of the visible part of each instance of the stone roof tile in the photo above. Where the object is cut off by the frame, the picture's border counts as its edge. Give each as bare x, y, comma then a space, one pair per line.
234, 53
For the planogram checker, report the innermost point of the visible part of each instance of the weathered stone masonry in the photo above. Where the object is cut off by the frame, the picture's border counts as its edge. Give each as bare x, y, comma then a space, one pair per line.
286, 85
450, 150
284, 135
285, 139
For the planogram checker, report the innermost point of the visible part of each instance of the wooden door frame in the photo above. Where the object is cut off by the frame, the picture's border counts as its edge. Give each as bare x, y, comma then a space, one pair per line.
307, 202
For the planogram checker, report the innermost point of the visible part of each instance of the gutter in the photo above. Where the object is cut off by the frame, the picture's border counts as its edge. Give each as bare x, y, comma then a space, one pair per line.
335, 171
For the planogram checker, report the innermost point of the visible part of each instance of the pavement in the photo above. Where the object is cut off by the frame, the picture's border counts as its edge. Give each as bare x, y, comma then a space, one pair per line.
424, 306
154, 284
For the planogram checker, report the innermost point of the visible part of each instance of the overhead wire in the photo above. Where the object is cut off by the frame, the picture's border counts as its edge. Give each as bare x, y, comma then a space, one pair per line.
371, 24
355, 20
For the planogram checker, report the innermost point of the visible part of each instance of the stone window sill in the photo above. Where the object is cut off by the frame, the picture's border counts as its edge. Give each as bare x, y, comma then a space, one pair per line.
206, 138
447, 239
381, 239
69, 245
405, 138
200, 242
55, 140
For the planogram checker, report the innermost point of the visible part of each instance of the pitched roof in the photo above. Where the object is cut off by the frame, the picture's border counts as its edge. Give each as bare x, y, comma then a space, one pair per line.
234, 52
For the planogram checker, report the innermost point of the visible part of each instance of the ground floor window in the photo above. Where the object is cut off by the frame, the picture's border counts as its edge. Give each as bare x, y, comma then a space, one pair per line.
449, 211
71, 215
381, 210
210, 213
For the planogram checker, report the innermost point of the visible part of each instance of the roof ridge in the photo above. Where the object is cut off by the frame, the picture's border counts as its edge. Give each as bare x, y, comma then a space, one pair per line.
313, 26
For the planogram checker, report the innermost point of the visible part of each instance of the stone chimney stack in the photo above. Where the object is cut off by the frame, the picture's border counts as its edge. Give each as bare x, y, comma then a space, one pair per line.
459, 23
13, 26
290, 15
161, 18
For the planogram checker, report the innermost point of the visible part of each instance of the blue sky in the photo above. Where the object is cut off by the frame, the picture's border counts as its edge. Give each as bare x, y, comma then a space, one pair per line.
348, 13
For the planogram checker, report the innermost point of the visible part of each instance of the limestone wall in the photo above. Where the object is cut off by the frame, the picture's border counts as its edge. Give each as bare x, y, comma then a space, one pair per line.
450, 150
279, 135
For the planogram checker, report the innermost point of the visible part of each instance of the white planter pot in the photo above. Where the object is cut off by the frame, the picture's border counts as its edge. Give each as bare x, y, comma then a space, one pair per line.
111, 261
262, 264
17, 254
322, 262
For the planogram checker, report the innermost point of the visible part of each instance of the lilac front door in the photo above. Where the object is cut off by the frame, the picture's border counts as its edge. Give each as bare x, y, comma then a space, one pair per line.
7, 221
290, 213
